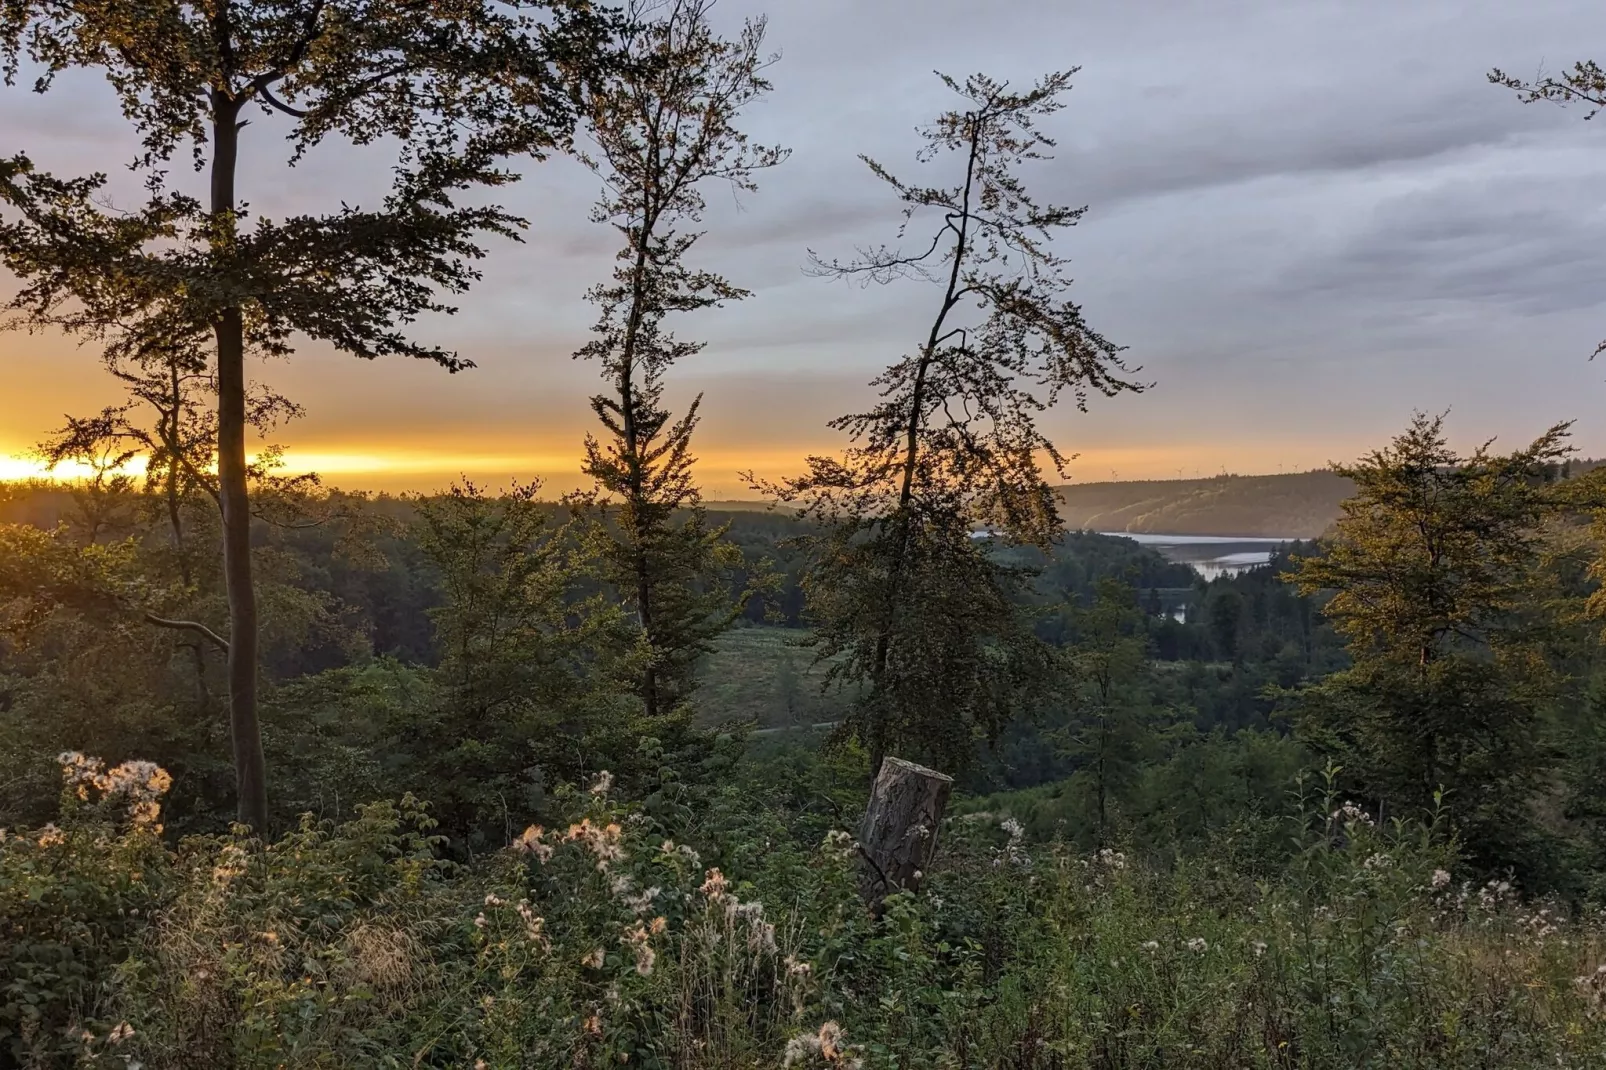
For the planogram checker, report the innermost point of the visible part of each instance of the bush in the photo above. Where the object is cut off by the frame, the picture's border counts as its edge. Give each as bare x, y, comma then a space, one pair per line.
605, 942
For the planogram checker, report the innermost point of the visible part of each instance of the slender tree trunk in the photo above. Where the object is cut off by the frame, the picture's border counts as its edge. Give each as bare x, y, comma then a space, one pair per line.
639, 532
249, 767
906, 489
1104, 746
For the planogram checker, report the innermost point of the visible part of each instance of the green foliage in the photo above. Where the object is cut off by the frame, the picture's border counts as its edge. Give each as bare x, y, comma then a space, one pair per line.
1111, 726
180, 290
603, 942
1439, 584
530, 676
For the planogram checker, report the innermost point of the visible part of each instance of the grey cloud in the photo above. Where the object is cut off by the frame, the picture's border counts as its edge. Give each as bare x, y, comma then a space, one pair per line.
1536, 245
1306, 218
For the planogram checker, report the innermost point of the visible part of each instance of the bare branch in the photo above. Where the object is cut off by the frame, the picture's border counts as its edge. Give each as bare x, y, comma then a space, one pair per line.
190, 626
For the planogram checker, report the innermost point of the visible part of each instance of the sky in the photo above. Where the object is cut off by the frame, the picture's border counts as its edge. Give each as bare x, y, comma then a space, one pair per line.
1305, 221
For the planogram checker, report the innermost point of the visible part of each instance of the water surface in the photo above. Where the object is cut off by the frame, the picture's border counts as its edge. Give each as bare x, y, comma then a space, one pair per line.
1212, 555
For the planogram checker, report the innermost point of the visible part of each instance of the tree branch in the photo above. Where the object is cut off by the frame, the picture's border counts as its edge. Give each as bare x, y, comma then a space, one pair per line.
267, 94
190, 626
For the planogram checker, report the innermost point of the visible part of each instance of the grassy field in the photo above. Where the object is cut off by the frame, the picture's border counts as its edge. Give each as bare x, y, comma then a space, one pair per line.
763, 675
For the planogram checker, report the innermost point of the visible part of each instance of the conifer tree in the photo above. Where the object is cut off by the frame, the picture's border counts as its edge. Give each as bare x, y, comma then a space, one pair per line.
457, 88
663, 129
1438, 582
907, 600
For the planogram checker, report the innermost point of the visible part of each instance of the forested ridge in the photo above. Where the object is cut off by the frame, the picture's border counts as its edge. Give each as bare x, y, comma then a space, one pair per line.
906, 770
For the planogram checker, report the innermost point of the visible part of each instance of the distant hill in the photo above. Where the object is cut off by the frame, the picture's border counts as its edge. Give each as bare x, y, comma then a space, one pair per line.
1299, 505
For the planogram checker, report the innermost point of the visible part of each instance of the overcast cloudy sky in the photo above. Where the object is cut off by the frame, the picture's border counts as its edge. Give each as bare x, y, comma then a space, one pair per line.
1306, 219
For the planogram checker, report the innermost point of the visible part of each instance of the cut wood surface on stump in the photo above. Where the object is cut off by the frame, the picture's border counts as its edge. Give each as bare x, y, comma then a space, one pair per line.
899, 836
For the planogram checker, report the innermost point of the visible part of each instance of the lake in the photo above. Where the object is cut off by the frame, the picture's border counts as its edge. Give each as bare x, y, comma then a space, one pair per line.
1212, 555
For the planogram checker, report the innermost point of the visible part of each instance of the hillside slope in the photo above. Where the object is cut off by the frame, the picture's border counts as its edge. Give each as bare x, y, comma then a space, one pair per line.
1298, 505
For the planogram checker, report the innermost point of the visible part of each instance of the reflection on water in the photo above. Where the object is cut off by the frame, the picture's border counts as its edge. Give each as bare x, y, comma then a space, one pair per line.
1212, 555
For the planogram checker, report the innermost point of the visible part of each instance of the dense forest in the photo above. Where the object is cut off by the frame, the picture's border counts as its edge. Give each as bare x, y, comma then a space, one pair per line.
293, 776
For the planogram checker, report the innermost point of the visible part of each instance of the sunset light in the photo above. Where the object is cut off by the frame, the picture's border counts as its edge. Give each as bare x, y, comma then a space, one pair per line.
845, 535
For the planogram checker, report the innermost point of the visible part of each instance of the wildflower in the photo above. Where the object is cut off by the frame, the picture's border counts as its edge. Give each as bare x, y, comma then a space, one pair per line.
529, 842
121, 1033
1350, 814
491, 900
143, 814
714, 886
479, 1064
1258, 947
642, 903
1196, 944
51, 836
1380, 860
828, 1043
1151, 946
231, 863
594, 959
479, 921
830, 1040
1441, 878
659, 924
603, 784
794, 968
534, 925
761, 939
600, 840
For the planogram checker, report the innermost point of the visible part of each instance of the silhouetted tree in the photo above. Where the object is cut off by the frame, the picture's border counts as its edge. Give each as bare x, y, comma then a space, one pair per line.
1584, 84
1110, 722
663, 129
456, 88
906, 599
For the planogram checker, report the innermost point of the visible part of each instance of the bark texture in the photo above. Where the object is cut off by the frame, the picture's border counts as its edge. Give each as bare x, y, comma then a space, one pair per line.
899, 836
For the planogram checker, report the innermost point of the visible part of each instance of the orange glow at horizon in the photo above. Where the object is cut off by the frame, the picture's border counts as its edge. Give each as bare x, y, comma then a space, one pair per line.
420, 469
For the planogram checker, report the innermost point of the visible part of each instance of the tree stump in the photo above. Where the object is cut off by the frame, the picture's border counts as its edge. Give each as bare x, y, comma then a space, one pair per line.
899, 835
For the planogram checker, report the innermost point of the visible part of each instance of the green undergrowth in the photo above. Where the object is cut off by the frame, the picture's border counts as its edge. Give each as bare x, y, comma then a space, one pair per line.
736, 938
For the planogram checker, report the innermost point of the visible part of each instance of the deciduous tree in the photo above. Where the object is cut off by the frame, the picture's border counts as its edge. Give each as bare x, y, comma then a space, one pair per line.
455, 89
906, 598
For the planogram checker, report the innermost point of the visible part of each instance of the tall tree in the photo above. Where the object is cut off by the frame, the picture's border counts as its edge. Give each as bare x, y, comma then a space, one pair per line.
1438, 581
663, 129
457, 88
907, 600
